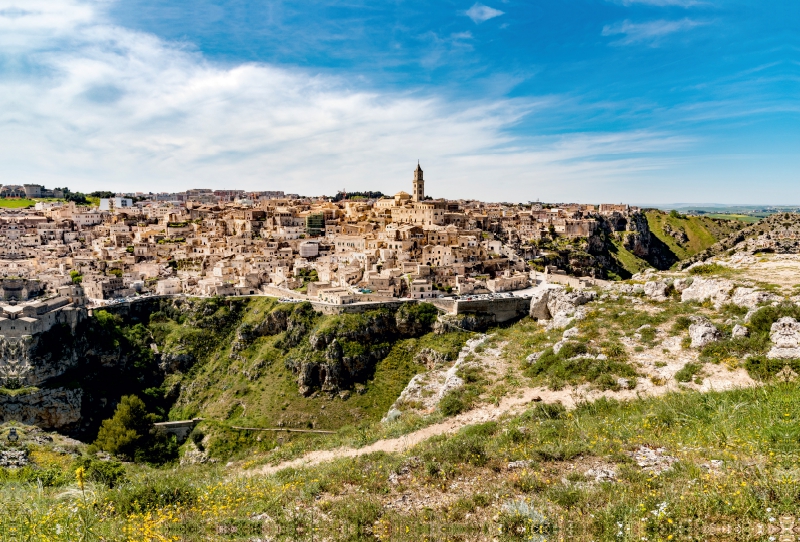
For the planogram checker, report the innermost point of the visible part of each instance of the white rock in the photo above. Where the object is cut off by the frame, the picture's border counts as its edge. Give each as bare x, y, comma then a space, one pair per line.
717, 290
785, 335
532, 358
602, 474
656, 290
558, 346
681, 284
739, 331
571, 332
752, 297
702, 332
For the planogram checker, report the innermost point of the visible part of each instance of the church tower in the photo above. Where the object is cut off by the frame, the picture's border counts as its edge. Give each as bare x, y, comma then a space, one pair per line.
418, 194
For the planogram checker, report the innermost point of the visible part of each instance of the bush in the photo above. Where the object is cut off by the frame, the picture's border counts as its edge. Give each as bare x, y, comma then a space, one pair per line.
153, 492
688, 372
452, 403
707, 269
108, 473
682, 323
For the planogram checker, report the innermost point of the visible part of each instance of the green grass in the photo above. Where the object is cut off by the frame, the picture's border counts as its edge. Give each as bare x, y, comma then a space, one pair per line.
631, 263
462, 481
16, 203
749, 219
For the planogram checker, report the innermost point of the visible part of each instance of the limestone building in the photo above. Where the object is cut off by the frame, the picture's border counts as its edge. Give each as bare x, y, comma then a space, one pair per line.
419, 185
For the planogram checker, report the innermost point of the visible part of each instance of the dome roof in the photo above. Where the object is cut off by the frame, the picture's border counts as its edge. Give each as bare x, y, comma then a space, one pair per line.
402, 194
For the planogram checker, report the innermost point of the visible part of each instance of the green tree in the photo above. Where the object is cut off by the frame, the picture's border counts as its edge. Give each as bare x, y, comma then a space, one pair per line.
128, 430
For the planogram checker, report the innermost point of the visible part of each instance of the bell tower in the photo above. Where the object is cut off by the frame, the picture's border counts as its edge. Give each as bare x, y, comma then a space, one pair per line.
418, 194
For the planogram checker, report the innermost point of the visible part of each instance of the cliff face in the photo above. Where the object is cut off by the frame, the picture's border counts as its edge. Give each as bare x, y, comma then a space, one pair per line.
189, 354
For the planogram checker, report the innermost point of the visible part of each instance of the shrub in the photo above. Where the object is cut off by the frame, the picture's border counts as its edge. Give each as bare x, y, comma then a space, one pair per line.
152, 492
452, 403
682, 323
108, 473
707, 269
687, 373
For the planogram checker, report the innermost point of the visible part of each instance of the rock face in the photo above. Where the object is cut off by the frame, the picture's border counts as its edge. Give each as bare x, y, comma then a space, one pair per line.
702, 332
56, 408
785, 335
558, 305
716, 290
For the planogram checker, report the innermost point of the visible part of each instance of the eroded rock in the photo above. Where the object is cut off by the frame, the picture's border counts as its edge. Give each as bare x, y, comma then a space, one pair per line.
785, 336
715, 290
702, 332
752, 297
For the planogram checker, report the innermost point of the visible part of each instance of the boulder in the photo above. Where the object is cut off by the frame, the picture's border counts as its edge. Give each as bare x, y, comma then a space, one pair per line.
571, 332
739, 331
785, 336
702, 332
656, 290
752, 297
547, 304
681, 284
716, 290
538, 308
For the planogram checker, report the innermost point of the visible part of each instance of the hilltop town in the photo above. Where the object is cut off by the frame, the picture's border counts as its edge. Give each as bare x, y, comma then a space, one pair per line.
339, 250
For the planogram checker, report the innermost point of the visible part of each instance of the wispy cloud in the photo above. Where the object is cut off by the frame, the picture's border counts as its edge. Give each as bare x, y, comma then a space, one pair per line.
480, 13
651, 32
91, 105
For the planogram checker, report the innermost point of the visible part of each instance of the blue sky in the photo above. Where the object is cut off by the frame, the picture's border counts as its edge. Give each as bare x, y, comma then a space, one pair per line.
650, 101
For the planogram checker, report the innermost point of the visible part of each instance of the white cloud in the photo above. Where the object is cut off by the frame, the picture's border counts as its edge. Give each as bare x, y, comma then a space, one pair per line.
94, 106
651, 32
480, 13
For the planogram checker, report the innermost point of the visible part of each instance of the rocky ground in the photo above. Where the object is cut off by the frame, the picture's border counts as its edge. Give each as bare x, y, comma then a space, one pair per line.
717, 305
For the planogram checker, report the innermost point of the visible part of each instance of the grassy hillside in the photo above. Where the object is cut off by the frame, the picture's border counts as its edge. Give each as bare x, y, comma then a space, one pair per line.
236, 362
724, 458
628, 263
701, 231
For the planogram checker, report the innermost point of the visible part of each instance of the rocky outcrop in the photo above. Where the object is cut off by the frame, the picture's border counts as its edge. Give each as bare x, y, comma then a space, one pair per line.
656, 290
425, 390
702, 332
558, 305
751, 297
785, 337
430, 358
341, 353
701, 289
56, 408
678, 234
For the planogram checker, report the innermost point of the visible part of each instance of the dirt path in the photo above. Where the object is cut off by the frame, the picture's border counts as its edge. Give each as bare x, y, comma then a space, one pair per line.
516, 403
